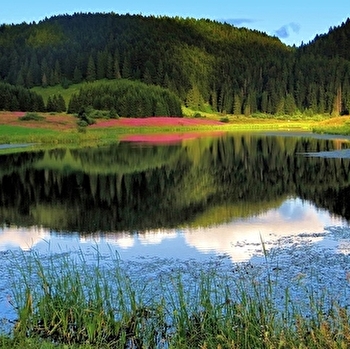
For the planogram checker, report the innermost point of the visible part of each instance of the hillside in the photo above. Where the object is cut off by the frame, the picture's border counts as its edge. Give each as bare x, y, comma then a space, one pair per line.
207, 64
334, 44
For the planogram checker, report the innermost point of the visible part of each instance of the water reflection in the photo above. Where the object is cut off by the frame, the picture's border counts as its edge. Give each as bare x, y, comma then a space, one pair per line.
240, 239
24, 238
243, 238
197, 198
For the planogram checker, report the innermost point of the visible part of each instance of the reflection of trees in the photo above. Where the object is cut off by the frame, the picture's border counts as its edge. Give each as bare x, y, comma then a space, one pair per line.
204, 181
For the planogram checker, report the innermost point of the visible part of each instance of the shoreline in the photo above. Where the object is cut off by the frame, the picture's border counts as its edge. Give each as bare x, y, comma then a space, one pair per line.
306, 269
61, 129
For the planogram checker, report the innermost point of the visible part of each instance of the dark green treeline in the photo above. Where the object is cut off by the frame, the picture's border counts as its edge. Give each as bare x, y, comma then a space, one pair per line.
126, 98
15, 98
125, 187
205, 63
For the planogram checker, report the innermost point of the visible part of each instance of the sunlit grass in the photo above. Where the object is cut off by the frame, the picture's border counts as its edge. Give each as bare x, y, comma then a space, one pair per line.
336, 125
66, 93
64, 302
19, 131
62, 130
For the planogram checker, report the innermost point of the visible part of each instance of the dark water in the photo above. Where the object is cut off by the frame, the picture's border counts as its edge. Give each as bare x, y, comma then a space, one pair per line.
207, 195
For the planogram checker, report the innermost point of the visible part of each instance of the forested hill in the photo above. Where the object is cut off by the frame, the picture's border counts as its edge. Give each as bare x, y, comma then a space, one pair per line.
335, 43
206, 63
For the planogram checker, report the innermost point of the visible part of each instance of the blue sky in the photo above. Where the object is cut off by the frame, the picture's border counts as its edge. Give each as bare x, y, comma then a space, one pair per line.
292, 21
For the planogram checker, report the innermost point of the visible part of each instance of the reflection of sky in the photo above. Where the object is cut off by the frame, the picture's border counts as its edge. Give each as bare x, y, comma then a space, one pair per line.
23, 238
240, 238
243, 237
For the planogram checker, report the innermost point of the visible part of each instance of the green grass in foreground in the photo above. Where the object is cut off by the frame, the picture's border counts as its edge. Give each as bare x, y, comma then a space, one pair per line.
64, 303
20, 131
17, 134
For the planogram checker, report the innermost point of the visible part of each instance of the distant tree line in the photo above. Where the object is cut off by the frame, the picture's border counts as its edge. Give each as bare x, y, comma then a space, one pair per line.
17, 98
207, 64
126, 98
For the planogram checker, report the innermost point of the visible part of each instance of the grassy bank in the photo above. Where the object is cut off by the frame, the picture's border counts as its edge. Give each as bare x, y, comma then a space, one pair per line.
63, 302
61, 129
64, 129
338, 125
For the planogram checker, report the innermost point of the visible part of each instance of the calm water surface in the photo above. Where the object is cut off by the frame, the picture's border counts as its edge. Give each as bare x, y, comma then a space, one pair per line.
193, 199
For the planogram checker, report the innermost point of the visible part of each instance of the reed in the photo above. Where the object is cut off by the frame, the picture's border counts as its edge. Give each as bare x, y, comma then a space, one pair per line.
65, 301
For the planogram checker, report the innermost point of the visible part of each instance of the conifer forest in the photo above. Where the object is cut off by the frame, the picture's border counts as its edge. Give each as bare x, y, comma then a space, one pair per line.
172, 61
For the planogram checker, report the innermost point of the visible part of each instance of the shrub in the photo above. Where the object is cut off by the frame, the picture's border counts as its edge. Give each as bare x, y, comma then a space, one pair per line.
81, 126
96, 114
225, 119
113, 114
85, 118
31, 117
82, 123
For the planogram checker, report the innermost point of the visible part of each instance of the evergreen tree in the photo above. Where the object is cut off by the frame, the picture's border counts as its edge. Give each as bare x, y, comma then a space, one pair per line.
61, 104
77, 76
91, 70
44, 81
116, 66
50, 104
74, 104
29, 80
194, 98
160, 74
147, 78
102, 59
237, 106
109, 71
126, 70
14, 105
20, 79
289, 105
57, 75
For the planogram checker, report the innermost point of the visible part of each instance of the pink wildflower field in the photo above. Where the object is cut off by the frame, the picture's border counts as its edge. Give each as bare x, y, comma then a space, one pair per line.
63, 122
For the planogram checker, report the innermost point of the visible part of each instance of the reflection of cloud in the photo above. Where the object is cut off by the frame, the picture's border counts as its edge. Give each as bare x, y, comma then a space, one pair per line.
24, 238
154, 238
284, 31
295, 221
241, 238
127, 240
124, 241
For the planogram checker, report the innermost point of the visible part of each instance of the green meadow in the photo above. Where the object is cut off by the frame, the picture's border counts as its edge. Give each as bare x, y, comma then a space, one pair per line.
66, 93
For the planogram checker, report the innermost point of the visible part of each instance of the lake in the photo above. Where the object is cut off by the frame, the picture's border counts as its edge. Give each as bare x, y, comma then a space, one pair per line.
211, 195
226, 197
